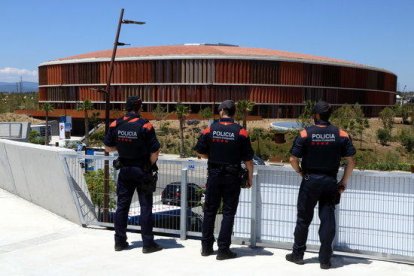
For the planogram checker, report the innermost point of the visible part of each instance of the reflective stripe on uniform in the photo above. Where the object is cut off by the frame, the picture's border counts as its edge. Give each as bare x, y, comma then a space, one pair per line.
244, 132
343, 133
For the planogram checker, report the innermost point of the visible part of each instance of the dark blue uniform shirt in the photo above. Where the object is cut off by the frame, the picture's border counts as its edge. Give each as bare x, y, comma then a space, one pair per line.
321, 147
134, 139
225, 142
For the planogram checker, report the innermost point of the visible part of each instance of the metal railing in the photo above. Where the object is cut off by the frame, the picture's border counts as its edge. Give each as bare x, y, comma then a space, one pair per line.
375, 216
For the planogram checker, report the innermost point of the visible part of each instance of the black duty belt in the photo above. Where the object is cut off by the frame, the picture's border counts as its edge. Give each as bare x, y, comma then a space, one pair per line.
229, 168
321, 172
132, 163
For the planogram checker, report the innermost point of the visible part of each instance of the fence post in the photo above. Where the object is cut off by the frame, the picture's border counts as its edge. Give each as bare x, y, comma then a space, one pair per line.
183, 204
253, 221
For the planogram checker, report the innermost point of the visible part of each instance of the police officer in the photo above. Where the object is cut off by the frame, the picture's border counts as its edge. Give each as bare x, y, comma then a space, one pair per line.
225, 144
321, 148
138, 148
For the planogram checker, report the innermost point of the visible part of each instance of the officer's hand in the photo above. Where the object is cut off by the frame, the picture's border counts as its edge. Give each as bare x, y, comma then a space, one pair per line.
341, 187
249, 183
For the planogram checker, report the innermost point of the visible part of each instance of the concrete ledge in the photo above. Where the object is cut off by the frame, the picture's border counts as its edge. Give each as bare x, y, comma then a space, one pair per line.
37, 174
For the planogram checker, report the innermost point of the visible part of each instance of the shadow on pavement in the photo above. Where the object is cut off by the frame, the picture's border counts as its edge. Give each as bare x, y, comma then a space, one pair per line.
340, 261
251, 252
164, 243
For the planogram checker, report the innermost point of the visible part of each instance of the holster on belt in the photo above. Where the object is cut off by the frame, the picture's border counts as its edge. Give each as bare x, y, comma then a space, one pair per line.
149, 181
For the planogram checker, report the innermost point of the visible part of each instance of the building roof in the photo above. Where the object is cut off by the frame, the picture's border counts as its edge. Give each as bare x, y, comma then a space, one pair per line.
203, 51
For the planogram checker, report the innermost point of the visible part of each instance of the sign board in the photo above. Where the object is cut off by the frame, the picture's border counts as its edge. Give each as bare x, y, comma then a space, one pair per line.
61, 131
68, 124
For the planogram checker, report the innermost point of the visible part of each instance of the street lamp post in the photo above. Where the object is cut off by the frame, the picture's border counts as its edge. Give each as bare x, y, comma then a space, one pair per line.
107, 93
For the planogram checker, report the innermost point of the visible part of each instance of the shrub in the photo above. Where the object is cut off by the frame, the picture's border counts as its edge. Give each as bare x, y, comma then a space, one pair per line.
35, 138
407, 140
389, 162
387, 117
383, 136
97, 138
305, 119
95, 182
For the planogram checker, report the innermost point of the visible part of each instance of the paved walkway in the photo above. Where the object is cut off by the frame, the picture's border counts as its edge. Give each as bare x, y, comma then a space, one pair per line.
34, 241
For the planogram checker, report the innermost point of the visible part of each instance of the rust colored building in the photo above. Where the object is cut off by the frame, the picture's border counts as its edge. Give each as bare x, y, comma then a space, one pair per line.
202, 75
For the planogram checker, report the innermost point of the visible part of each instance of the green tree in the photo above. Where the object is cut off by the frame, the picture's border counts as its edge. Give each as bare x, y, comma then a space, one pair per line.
352, 119
95, 182
182, 112
305, 119
243, 109
35, 138
47, 107
206, 113
406, 138
159, 112
384, 136
257, 133
387, 117
407, 111
85, 106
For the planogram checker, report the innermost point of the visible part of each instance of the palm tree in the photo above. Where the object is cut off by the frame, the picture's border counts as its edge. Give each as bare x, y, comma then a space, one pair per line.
243, 108
182, 112
47, 107
206, 113
85, 106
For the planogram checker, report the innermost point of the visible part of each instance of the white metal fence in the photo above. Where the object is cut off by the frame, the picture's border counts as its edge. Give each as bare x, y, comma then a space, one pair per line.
375, 216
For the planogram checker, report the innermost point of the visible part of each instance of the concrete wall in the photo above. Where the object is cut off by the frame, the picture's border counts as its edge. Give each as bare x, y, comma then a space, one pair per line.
37, 174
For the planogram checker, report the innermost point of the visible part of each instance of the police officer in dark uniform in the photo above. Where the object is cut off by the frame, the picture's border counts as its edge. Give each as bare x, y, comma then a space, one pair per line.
138, 148
321, 148
225, 144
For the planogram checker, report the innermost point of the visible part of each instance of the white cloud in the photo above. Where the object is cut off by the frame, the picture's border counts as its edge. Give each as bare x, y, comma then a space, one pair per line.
9, 74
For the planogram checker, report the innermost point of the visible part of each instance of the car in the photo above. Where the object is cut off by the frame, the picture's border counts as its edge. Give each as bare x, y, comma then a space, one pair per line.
171, 194
258, 161
193, 122
171, 219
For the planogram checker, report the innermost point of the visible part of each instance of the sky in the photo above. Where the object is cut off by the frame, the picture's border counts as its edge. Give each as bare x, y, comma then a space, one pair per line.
378, 33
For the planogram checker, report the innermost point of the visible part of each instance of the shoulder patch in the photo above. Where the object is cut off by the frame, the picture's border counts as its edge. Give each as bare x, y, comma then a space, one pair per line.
133, 120
343, 133
113, 124
303, 133
244, 132
147, 126
206, 131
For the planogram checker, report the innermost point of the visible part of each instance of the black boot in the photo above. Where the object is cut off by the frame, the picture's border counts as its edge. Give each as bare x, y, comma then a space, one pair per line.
291, 257
119, 246
206, 251
225, 254
151, 249
327, 265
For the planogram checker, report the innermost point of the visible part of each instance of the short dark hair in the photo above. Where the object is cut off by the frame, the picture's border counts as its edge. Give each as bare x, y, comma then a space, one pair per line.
325, 116
133, 103
228, 107
323, 109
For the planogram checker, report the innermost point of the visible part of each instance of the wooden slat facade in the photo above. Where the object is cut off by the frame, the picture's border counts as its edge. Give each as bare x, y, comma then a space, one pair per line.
210, 81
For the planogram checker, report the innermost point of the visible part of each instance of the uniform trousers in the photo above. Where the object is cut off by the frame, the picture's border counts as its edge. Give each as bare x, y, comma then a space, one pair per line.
129, 181
222, 187
313, 189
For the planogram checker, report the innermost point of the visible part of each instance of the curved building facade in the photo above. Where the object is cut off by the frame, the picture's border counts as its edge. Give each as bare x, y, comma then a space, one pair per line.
204, 75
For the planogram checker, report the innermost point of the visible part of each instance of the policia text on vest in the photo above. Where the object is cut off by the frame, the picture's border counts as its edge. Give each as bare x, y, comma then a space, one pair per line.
136, 142
321, 148
225, 144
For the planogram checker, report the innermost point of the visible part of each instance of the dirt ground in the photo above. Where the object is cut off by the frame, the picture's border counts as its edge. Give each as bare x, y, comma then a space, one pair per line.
11, 117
